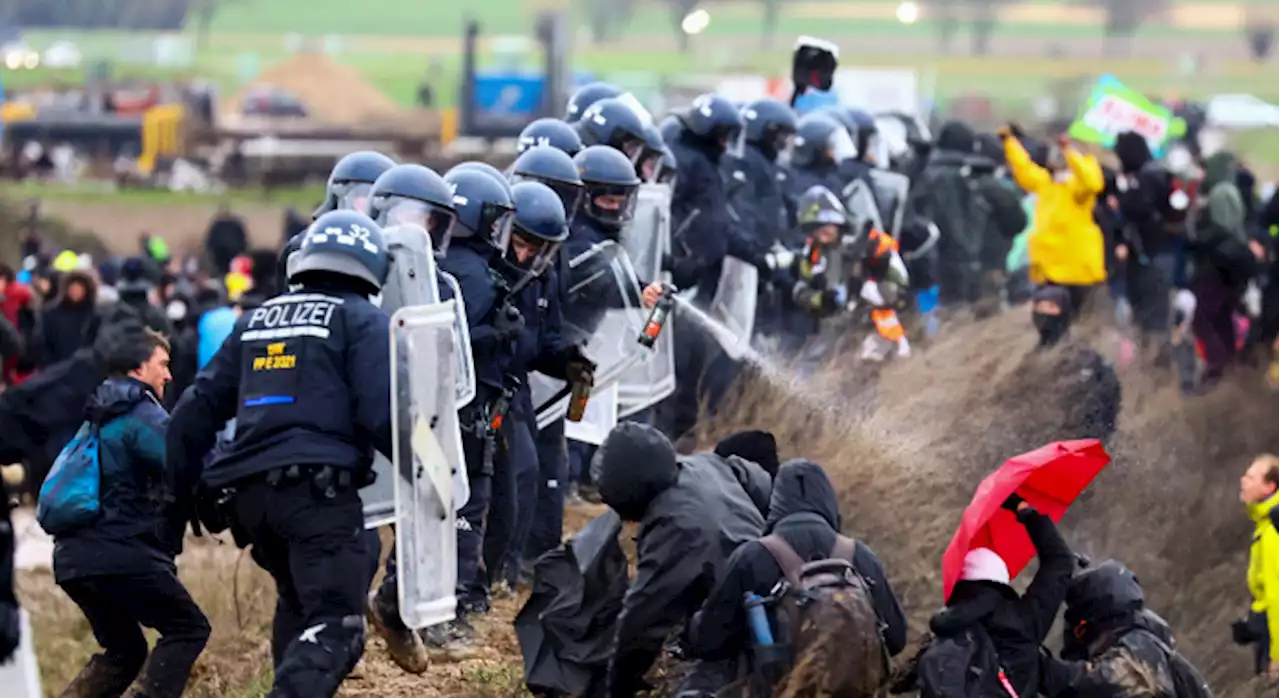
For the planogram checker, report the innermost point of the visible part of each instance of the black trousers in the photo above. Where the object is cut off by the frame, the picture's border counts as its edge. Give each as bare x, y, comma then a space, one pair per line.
317, 551
117, 608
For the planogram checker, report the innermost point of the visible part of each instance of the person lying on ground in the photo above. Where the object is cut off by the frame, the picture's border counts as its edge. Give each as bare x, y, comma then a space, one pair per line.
691, 519
1112, 646
803, 511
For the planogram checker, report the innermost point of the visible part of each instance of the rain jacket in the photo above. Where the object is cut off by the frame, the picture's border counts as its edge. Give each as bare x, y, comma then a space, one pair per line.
804, 512
1224, 207
132, 535
1016, 624
1264, 568
691, 519
1132, 659
1066, 247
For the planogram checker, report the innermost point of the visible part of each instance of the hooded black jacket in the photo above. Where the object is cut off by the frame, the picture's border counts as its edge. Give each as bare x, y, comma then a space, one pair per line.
692, 517
1143, 188
1017, 624
67, 326
948, 195
804, 512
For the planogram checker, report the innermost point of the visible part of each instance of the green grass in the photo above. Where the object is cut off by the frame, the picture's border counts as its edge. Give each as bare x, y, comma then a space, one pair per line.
91, 192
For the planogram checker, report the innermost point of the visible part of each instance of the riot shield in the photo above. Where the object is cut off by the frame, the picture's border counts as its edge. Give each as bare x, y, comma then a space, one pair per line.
412, 282
860, 203
602, 313
429, 468
734, 305
599, 419
646, 240
466, 375
890, 193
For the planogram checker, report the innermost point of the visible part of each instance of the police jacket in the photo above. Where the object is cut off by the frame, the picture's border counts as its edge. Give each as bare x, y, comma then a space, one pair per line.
700, 213
584, 308
542, 346
759, 196
691, 519
132, 535
468, 263
1017, 624
1133, 658
804, 512
306, 377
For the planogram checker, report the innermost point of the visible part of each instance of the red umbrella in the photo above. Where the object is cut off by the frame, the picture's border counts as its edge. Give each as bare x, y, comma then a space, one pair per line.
1048, 478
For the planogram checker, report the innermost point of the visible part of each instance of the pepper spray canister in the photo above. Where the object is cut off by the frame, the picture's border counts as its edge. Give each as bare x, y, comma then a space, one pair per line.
658, 316
579, 394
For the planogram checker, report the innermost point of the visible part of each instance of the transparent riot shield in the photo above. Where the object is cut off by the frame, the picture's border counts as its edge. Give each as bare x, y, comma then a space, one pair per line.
466, 375
891, 189
429, 464
602, 313
646, 240
599, 419
734, 305
860, 203
412, 282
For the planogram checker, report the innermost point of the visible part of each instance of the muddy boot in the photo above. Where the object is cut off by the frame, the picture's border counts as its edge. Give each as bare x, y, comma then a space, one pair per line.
453, 641
100, 677
403, 644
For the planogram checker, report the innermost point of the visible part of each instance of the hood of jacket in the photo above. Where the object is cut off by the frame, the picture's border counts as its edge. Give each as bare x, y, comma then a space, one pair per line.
956, 136
634, 465
802, 487
970, 603
1109, 591
1132, 151
84, 279
115, 397
1218, 168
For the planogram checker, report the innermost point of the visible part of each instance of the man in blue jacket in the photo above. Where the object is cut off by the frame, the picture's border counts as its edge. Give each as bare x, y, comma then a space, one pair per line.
120, 569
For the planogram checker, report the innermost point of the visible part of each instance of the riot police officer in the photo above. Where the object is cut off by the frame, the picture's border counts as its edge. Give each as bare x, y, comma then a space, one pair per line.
486, 168
759, 199
351, 179
585, 96
307, 378
610, 187
538, 230
555, 169
611, 122
552, 132
821, 145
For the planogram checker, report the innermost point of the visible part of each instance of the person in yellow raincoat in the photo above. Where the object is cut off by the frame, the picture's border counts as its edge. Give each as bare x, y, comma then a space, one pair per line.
1258, 492
1066, 246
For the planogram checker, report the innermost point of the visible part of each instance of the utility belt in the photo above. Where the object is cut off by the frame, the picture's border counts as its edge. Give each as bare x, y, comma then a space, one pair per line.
485, 424
214, 506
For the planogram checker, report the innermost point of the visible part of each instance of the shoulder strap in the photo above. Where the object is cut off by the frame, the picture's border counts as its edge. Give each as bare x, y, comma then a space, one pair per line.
785, 556
843, 549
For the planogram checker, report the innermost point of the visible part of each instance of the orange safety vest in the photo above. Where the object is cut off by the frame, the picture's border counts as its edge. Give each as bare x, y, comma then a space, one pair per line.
886, 322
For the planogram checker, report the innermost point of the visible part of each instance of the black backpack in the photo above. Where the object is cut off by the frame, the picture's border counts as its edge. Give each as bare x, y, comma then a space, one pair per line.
963, 666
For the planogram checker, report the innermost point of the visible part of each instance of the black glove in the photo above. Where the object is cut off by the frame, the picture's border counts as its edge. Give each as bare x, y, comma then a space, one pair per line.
509, 323
578, 368
1012, 502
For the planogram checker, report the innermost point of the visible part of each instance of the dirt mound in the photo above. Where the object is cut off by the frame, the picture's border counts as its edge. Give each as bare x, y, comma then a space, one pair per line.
1166, 506
334, 94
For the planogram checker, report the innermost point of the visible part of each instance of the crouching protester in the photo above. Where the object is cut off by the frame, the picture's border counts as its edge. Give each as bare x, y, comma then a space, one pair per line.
1112, 646
691, 518
114, 553
859, 622
987, 640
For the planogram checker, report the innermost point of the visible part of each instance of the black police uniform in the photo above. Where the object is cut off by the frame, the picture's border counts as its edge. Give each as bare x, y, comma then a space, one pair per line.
306, 376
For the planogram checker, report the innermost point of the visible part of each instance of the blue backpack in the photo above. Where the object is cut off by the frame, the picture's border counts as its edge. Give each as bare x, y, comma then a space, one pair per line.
70, 497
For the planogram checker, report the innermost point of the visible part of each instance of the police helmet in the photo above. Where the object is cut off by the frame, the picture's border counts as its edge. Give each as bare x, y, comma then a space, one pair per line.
585, 96
483, 167
650, 160
414, 195
347, 243
552, 132
538, 229
820, 138
351, 179
670, 127
614, 123
714, 119
668, 167
611, 185
484, 207
867, 140
769, 125
553, 168
817, 207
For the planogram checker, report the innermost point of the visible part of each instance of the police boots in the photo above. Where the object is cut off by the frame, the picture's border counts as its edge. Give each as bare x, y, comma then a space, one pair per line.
403, 644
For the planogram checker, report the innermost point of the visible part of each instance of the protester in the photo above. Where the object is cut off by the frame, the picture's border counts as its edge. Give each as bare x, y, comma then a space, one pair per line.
1113, 646
946, 196
17, 305
1258, 493
65, 325
120, 569
1066, 245
803, 511
691, 519
225, 240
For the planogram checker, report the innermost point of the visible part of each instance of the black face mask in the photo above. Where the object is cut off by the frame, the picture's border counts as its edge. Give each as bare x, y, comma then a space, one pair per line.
1052, 328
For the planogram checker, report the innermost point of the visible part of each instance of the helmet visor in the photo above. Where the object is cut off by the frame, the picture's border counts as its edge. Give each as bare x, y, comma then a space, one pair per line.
438, 221
530, 253
495, 225
840, 146
613, 204
570, 194
649, 165
353, 196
